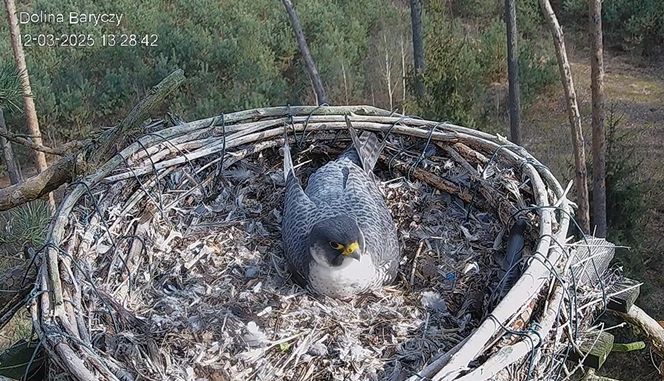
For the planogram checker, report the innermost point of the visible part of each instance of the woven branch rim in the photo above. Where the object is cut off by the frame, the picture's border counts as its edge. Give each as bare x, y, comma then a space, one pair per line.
258, 129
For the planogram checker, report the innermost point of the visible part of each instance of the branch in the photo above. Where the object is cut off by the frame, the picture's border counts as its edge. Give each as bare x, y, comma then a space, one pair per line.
306, 54
60, 151
95, 152
61, 172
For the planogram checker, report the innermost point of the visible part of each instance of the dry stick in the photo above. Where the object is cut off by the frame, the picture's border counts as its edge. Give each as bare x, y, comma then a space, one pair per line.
306, 54
50, 275
573, 114
34, 187
60, 151
526, 288
509, 355
438, 363
233, 141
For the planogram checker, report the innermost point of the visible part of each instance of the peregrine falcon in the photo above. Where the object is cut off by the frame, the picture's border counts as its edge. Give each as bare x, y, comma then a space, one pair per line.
339, 237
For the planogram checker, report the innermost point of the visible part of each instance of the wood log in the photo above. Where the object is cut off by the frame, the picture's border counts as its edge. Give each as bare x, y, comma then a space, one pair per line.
594, 349
623, 301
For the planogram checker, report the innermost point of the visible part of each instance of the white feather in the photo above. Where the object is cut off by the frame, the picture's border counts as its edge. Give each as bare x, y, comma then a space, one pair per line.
343, 281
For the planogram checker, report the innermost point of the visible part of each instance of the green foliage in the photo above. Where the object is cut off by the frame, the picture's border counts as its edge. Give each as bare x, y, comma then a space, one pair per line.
10, 90
537, 71
529, 20
626, 196
452, 75
25, 224
465, 61
625, 192
242, 54
477, 9
630, 23
236, 55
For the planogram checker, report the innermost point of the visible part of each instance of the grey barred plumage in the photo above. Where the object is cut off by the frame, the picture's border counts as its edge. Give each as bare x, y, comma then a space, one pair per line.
339, 237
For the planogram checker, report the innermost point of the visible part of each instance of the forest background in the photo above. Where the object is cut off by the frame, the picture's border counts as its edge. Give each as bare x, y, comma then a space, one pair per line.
242, 54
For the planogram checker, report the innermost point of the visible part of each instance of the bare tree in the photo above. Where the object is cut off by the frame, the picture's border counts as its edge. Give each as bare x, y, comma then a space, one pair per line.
8, 153
403, 76
29, 103
388, 72
513, 72
306, 54
418, 45
599, 146
573, 115
343, 73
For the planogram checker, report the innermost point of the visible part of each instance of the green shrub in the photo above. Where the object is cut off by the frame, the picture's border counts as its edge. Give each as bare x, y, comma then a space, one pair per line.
25, 224
537, 71
235, 54
465, 61
452, 77
630, 23
626, 195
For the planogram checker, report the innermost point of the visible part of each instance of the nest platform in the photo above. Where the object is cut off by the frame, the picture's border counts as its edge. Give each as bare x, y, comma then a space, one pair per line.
166, 264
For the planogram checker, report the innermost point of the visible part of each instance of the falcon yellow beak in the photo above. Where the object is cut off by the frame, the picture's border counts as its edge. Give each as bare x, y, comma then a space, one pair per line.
352, 250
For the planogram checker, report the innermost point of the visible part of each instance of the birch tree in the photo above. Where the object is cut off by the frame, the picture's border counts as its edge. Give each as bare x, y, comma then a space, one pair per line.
578, 144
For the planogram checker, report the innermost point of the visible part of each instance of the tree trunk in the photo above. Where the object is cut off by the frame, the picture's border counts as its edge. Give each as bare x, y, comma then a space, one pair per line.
573, 114
599, 146
8, 154
28, 101
418, 45
388, 73
513, 72
306, 54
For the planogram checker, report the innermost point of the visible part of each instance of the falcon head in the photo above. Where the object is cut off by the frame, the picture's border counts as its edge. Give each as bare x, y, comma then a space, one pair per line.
335, 241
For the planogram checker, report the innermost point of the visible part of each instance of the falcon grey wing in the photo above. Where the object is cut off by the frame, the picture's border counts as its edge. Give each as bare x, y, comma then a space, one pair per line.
338, 233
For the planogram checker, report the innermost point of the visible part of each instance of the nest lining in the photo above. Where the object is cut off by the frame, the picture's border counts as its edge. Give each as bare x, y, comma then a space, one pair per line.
161, 280
213, 290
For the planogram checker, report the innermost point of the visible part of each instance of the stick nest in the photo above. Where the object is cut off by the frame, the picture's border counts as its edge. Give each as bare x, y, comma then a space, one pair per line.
167, 263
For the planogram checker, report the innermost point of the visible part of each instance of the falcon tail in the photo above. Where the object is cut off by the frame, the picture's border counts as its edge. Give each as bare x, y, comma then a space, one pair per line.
366, 148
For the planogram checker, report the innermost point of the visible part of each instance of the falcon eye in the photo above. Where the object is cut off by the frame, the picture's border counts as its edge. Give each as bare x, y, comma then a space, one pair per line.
336, 245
